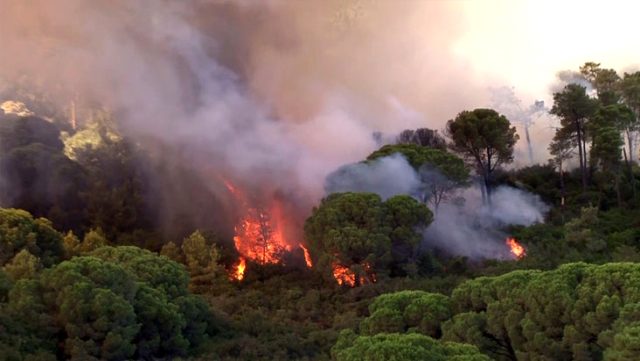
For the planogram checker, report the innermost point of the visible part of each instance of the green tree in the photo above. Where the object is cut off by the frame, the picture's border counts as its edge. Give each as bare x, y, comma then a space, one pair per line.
359, 230
400, 347
575, 108
37, 176
118, 303
561, 148
201, 259
605, 154
19, 230
577, 312
442, 173
484, 137
606, 82
630, 89
23, 265
407, 311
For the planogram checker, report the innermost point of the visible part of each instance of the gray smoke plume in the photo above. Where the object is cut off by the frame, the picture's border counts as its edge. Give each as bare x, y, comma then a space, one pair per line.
474, 230
387, 177
463, 226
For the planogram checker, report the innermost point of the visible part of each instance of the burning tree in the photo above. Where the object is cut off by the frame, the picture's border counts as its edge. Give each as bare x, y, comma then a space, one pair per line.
260, 233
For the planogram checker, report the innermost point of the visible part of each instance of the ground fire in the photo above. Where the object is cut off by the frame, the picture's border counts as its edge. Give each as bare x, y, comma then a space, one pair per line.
516, 248
345, 276
259, 234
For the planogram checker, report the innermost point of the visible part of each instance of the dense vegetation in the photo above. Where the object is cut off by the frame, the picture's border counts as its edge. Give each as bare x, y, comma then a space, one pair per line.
93, 266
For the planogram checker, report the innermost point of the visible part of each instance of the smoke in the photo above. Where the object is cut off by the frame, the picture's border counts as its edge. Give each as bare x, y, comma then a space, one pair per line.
474, 230
464, 225
273, 95
388, 176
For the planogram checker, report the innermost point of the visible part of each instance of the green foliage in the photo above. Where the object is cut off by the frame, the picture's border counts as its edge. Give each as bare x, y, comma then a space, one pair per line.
574, 312
23, 265
20, 231
201, 260
413, 311
441, 172
119, 303
37, 176
484, 137
114, 198
399, 347
358, 229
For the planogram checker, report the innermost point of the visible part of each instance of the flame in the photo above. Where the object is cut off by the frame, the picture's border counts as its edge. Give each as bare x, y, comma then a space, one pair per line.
345, 276
259, 234
238, 269
516, 248
307, 256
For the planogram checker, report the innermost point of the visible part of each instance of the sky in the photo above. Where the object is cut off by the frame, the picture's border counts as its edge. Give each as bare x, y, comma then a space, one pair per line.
314, 79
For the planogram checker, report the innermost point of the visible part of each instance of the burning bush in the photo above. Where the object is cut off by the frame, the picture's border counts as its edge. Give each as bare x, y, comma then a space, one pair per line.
357, 235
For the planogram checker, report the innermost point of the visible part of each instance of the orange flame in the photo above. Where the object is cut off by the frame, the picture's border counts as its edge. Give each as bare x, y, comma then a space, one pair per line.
259, 235
307, 256
345, 276
516, 248
238, 269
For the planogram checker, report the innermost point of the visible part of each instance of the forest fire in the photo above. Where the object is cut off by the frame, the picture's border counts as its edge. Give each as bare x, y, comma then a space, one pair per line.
260, 234
307, 256
516, 248
345, 276
238, 269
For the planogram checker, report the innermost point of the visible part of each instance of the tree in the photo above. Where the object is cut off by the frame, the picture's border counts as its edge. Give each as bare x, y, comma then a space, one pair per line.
407, 311
201, 259
606, 82
360, 232
401, 347
19, 230
505, 101
441, 173
37, 176
484, 137
576, 312
575, 108
561, 148
119, 303
607, 144
424, 137
23, 265
630, 89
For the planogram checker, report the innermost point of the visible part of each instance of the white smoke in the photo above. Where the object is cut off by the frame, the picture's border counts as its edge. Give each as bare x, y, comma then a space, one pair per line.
387, 176
474, 229
464, 226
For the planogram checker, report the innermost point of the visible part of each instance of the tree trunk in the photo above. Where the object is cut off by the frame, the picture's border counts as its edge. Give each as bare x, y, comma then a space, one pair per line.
529, 147
487, 179
582, 157
632, 180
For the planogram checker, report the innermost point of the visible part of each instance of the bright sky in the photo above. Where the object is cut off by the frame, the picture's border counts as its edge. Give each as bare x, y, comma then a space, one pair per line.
527, 42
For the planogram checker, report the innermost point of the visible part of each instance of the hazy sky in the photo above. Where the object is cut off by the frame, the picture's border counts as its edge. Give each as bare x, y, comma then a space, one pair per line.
332, 71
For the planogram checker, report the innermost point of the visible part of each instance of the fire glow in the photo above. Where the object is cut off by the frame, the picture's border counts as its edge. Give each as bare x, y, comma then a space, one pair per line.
345, 276
260, 234
516, 248
307, 256
238, 269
